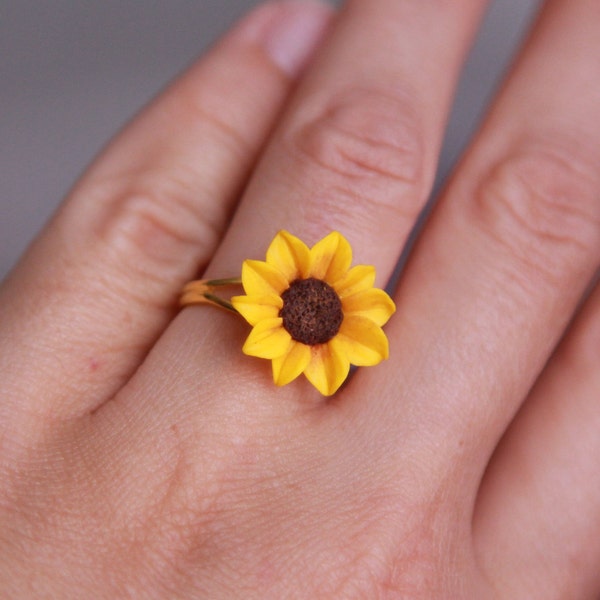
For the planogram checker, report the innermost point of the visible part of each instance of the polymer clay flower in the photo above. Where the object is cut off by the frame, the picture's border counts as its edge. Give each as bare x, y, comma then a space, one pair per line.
311, 312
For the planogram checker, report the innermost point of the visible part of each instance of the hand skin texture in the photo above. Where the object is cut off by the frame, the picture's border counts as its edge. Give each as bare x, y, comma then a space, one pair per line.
144, 456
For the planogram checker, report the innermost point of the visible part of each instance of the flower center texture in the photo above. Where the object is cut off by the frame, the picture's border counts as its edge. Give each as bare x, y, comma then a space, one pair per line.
312, 311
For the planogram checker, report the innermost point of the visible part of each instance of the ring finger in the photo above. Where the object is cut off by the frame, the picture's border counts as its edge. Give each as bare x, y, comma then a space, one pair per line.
355, 152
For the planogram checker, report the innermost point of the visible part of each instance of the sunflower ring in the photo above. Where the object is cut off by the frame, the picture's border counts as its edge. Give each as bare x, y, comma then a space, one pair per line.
310, 311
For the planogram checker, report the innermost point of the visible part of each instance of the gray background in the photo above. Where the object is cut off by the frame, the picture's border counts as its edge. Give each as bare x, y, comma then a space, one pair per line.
72, 72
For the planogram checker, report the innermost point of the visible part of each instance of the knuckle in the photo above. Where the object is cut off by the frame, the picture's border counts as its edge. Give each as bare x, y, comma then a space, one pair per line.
204, 110
365, 144
223, 131
155, 225
541, 199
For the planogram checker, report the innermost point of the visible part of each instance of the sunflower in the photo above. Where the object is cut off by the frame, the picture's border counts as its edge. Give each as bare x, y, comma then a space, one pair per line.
311, 313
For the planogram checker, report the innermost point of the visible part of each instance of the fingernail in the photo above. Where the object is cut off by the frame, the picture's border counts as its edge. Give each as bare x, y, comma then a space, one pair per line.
294, 34
289, 31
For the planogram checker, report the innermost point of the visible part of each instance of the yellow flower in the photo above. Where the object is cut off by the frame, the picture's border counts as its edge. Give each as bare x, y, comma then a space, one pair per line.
311, 313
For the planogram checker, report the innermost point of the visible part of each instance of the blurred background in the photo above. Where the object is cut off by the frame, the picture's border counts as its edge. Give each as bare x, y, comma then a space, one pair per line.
73, 72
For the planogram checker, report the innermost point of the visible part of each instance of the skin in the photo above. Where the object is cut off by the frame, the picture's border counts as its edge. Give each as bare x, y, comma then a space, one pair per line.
144, 456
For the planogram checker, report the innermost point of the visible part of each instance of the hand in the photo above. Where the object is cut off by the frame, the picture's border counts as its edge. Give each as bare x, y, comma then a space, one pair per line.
144, 456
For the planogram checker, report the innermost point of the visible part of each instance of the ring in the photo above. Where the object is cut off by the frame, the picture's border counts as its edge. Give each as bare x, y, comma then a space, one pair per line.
311, 312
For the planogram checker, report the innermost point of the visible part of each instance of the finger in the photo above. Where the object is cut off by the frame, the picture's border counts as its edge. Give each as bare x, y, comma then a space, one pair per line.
503, 261
356, 151
538, 513
358, 148
100, 284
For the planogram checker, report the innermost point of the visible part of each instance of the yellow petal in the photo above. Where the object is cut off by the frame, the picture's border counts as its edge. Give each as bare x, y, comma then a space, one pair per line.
357, 279
363, 341
330, 258
374, 304
328, 367
256, 308
289, 255
268, 339
287, 367
261, 279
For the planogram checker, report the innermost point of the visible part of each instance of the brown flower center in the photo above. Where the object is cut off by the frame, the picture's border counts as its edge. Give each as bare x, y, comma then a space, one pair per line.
312, 311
